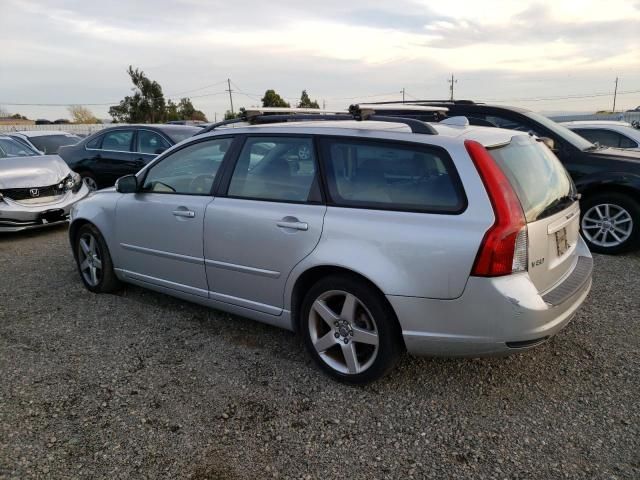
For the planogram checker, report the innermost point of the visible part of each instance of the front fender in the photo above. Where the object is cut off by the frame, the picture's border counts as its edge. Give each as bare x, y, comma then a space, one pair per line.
99, 209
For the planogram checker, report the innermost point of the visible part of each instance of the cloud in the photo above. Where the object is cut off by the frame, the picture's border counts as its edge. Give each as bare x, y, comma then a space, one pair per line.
76, 51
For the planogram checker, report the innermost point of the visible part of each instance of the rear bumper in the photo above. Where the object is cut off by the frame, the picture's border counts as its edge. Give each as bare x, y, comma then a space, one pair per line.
494, 316
16, 216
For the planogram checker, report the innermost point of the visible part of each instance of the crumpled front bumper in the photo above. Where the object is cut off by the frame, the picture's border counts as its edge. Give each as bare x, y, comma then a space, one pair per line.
16, 216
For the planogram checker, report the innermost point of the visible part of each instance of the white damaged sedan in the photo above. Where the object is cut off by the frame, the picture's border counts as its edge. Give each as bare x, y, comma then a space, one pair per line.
35, 190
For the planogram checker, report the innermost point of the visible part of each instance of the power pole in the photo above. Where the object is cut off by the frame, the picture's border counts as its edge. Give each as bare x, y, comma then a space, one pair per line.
324, 104
451, 81
230, 96
615, 93
402, 91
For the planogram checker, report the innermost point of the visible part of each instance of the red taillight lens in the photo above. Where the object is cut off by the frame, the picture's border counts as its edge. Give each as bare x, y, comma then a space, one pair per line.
496, 253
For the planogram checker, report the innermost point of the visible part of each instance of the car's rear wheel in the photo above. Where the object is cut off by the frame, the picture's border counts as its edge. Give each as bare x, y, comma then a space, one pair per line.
94, 261
349, 330
611, 223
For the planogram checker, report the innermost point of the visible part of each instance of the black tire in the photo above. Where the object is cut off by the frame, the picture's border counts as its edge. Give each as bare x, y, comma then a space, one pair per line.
89, 179
590, 229
106, 280
375, 360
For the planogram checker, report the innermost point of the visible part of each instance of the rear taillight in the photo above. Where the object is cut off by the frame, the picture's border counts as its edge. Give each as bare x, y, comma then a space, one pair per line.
505, 245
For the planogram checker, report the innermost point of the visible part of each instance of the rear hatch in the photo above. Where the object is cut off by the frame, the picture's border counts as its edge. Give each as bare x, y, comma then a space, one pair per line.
549, 201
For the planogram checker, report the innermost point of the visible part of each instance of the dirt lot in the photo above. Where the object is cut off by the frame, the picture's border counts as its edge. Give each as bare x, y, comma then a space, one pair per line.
140, 385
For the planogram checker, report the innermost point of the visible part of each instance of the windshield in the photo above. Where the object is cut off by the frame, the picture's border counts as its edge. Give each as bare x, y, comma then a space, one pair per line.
562, 131
10, 148
542, 184
49, 144
181, 133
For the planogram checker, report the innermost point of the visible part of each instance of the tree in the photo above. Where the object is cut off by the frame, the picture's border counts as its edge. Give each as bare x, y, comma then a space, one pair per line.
81, 114
305, 101
239, 114
272, 99
146, 105
187, 111
172, 111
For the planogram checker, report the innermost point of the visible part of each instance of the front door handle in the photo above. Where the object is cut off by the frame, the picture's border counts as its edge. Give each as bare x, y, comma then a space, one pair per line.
184, 213
293, 224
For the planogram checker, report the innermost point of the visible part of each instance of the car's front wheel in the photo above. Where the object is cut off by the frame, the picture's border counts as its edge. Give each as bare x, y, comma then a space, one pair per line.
349, 330
89, 180
611, 222
94, 261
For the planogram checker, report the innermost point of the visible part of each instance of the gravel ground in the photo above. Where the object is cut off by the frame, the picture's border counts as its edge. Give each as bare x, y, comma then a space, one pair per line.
140, 385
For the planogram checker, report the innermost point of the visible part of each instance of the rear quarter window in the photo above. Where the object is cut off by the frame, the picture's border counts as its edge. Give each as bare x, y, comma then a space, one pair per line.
391, 176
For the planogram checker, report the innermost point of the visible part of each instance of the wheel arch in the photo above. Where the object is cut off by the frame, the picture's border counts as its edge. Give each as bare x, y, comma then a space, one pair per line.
313, 274
623, 183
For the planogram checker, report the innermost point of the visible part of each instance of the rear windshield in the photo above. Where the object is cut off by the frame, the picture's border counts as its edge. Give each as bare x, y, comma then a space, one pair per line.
537, 176
50, 144
181, 133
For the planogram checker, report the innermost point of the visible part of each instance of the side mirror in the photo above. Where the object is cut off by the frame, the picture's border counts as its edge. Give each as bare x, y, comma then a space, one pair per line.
159, 150
549, 143
127, 184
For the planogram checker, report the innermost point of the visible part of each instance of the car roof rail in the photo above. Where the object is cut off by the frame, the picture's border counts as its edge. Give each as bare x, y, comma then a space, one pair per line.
368, 112
261, 116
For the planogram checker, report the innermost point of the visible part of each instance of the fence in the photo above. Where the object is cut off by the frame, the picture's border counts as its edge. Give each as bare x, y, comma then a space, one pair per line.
623, 116
79, 129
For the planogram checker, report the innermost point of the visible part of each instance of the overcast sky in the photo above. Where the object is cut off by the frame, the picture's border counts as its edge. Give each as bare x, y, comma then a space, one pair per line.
77, 51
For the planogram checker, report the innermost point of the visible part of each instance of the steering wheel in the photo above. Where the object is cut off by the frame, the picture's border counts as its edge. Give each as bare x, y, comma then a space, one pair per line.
201, 184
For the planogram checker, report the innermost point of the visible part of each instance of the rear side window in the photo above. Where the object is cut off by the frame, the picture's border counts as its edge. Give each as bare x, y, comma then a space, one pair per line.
275, 168
391, 176
151, 143
119, 141
541, 182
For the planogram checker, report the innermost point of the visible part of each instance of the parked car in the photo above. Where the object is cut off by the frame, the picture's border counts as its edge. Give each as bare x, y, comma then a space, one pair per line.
608, 179
47, 142
607, 133
105, 156
35, 190
368, 237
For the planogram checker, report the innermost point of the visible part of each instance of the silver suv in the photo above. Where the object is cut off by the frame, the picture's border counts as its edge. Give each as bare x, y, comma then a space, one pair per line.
365, 237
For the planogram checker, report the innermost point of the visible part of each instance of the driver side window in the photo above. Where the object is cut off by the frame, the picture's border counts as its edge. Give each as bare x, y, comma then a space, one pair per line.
188, 171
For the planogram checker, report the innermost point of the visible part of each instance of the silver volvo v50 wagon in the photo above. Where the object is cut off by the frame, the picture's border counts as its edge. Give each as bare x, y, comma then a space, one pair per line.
364, 236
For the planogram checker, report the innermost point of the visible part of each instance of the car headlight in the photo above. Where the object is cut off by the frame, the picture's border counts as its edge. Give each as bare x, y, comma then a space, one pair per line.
72, 182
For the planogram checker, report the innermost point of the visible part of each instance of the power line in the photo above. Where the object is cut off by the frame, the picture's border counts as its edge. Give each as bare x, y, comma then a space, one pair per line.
566, 97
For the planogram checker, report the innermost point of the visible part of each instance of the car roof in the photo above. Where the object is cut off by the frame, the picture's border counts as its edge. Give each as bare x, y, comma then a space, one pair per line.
594, 123
44, 133
447, 134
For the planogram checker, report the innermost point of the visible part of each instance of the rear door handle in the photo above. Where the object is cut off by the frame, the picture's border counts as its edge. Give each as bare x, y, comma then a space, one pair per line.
295, 225
184, 213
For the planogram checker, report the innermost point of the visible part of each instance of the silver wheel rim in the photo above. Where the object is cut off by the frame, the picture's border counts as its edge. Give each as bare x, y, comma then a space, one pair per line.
607, 225
343, 332
89, 259
90, 183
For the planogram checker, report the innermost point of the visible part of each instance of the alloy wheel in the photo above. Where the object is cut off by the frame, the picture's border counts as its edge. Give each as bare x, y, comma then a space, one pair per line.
89, 259
90, 183
607, 225
343, 332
